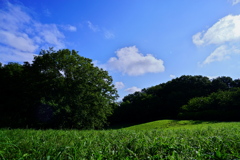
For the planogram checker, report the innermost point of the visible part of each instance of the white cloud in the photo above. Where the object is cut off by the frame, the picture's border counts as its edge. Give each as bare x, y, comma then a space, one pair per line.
133, 63
172, 76
212, 77
197, 39
119, 85
234, 2
94, 28
221, 53
224, 34
19, 41
21, 35
225, 30
133, 89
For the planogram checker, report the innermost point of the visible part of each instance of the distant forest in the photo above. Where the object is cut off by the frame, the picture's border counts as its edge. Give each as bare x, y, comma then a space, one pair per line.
186, 97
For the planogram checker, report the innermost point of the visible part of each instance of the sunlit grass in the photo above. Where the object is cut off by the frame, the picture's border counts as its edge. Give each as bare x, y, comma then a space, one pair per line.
187, 140
180, 124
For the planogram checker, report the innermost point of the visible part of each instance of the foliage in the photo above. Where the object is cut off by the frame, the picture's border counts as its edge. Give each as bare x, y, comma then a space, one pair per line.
12, 95
60, 89
221, 105
222, 83
209, 141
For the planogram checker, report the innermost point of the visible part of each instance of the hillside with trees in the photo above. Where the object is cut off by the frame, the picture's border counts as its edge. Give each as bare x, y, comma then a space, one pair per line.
185, 97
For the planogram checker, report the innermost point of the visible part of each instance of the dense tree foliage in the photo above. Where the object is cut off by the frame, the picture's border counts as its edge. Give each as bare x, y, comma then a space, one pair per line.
221, 105
166, 100
12, 98
60, 89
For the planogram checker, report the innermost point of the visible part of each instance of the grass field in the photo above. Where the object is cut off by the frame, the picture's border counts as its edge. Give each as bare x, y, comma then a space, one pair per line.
165, 139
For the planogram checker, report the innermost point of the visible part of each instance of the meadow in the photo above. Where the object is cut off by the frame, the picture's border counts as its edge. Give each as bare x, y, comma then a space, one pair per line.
164, 139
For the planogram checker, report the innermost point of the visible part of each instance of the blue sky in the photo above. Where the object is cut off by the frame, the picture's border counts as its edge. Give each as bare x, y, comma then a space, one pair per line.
141, 43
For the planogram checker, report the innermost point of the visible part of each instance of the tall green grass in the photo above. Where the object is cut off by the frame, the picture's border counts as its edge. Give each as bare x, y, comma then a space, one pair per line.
190, 141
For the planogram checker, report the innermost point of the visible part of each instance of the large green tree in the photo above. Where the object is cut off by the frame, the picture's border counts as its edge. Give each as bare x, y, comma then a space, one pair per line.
80, 94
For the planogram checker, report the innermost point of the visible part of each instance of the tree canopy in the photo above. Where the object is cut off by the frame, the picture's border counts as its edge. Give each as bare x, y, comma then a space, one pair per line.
221, 105
60, 89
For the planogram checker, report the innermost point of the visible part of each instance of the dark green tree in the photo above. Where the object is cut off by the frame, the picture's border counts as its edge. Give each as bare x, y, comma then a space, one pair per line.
222, 83
74, 92
236, 83
179, 91
221, 105
11, 95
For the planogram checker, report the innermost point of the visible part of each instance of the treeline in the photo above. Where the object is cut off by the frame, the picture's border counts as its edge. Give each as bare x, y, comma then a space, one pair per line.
59, 89
186, 97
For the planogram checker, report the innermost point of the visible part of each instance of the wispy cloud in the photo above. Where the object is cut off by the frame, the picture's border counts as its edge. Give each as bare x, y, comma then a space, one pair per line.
94, 28
225, 34
69, 28
119, 85
108, 34
18, 40
234, 2
172, 76
133, 89
130, 61
47, 13
21, 35
219, 54
8, 54
50, 34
